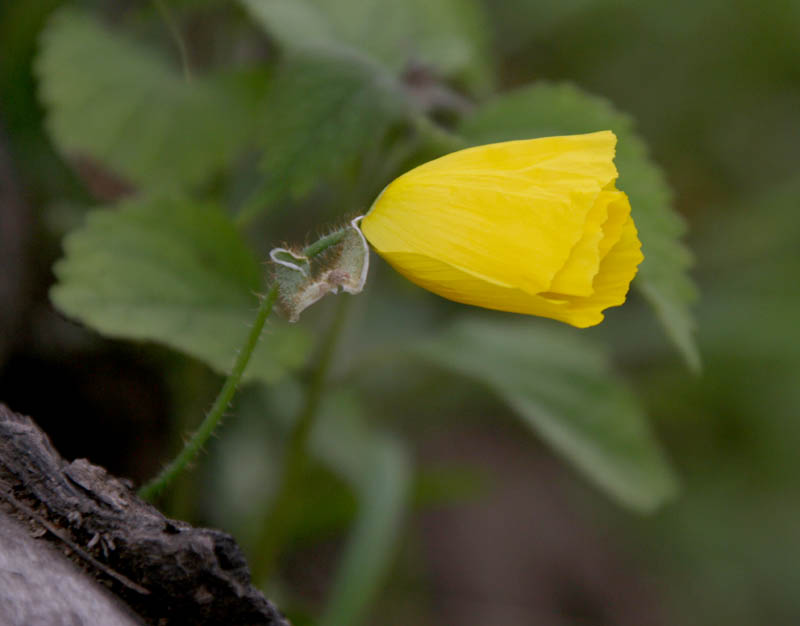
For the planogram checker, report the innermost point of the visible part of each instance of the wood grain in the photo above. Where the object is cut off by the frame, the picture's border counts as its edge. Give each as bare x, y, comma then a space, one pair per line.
165, 570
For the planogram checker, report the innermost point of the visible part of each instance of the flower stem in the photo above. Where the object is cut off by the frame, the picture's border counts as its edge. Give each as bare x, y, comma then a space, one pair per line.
276, 527
175, 31
320, 245
196, 442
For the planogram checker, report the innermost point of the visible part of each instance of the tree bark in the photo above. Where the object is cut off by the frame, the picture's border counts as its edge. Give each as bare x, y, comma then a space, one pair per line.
39, 586
87, 531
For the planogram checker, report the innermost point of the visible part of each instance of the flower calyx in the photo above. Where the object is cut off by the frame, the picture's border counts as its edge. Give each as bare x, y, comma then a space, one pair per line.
339, 260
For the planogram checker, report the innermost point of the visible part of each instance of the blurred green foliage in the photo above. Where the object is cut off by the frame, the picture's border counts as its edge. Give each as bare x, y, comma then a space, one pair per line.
296, 113
562, 387
448, 35
322, 114
173, 270
119, 103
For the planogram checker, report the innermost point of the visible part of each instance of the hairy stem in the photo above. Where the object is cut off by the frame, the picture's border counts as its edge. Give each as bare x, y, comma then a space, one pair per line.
198, 439
196, 442
276, 527
324, 243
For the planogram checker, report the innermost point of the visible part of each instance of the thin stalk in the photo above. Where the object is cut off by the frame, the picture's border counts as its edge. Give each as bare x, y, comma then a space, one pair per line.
295, 460
196, 442
172, 26
192, 389
320, 245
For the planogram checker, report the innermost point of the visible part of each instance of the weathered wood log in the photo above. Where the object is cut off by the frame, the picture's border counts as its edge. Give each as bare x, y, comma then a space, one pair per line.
165, 570
39, 586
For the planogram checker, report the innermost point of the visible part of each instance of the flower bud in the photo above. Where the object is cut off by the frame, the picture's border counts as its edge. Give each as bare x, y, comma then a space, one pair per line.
532, 226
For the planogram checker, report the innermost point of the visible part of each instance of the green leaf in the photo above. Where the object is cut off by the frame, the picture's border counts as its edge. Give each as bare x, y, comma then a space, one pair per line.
546, 109
561, 386
111, 100
295, 24
382, 500
448, 35
168, 270
379, 470
746, 268
519, 25
323, 113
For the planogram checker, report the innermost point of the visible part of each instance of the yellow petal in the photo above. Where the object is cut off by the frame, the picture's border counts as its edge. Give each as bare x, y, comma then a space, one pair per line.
602, 230
509, 213
619, 209
534, 227
610, 286
462, 286
612, 282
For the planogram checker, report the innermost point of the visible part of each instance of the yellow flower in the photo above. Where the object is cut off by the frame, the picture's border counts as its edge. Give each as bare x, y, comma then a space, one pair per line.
534, 226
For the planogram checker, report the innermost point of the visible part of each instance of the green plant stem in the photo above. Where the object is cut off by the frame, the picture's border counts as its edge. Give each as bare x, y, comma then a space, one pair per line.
324, 243
191, 386
295, 460
196, 442
172, 26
